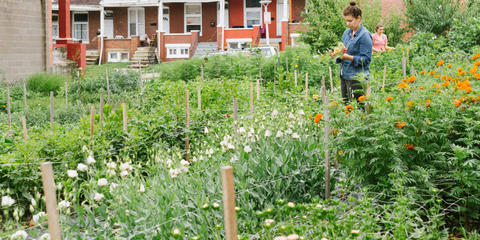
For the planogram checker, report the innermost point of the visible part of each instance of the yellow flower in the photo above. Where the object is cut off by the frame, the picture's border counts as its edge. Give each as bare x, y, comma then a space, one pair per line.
296, 65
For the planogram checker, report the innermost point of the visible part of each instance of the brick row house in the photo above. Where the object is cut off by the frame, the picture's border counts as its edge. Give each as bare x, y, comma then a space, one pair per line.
131, 29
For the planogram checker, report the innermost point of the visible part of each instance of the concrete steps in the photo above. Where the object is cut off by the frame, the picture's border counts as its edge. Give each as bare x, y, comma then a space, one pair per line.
92, 57
205, 48
143, 57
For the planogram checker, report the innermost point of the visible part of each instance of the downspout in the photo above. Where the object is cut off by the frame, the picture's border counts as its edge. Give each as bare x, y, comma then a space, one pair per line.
48, 37
159, 29
102, 23
222, 20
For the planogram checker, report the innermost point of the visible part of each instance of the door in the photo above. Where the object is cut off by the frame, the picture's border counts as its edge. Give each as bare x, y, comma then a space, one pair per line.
166, 20
108, 24
280, 15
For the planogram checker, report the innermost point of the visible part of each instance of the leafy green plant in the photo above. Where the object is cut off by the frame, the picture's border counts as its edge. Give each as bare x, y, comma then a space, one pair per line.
435, 16
45, 83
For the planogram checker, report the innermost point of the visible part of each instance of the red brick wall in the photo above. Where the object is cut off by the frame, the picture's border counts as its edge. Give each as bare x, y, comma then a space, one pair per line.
120, 21
176, 17
298, 8
93, 29
209, 14
151, 19
129, 45
235, 12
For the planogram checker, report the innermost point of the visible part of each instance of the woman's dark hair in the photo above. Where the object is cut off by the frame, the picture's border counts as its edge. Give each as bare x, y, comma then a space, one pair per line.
378, 26
352, 9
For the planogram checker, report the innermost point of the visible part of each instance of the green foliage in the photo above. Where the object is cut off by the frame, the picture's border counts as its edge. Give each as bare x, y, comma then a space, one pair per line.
45, 83
464, 33
394, 28
435, 16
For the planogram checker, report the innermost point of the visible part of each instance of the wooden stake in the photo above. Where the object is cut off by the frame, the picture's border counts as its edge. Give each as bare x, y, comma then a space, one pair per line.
404, 67
8, 109
50, 201
331, 78
108, 87
251, 99
92, 120
187, 123
201, 73
384, 76
24, 95
286, 63
295, 78
199, 97
51, 107
124, 111
412, 70
258, 89
229, 203
100, 110
66, 93
326, 117
24, 125
306, 85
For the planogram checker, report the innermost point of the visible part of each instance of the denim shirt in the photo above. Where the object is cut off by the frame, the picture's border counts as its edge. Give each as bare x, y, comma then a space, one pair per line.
360, 47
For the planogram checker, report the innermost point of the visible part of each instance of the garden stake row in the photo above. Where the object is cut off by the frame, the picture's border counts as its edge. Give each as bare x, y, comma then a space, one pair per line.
100, 110
258, 89
412, 70
230, 216
50, 201
92, 120
8, 109
331, 78
24, 125
404, 67
199, 98
124, 114
187, 124
51, 107
66, 93
295, 78
24, 95
326, 116
306, 85
201, 73
108, 86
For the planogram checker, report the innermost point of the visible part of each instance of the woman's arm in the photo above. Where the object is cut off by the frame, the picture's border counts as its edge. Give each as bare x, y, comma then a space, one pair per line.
365, 55
386, 43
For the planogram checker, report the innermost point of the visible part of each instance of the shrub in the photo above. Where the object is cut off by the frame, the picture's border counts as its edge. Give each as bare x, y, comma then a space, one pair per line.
435, 16
464, 33
45, 82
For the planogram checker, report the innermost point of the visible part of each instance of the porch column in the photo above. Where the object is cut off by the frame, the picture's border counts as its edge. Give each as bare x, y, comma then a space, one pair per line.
64, 28
159, 28
102, 30
286, 16
222, 21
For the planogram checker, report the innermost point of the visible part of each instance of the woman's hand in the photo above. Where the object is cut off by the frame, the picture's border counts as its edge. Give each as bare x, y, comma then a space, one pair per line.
332, 53
346, 57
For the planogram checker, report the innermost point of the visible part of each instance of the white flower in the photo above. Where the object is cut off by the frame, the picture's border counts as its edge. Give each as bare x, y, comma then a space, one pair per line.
82, 167
268, 133
113, 186
280, 238
7, 201
205, 130
291, 115
111, 165
45, 236
289, 131
209, 152
126, 167
301, 112
194, 159
274, 113
184, 169
19, 235
295, 136
291, 204
293, 237
176, 232
111, 172
102, 182
123, 173
247, 149
98, 197
184, 163
279, 134
169, 163
84, 148
242, 130
37, 218
90, 160
227, 143
63, 204
269, 222
234, 158
174, 173
72, 173
142, 188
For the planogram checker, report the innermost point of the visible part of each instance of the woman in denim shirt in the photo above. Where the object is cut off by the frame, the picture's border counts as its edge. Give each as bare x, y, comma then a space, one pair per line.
355, 62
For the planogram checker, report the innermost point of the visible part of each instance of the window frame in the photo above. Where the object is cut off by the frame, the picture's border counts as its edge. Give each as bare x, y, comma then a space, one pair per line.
251, 9
80, 22
55, 34
178, 48
118, 57
137, 22
185, 15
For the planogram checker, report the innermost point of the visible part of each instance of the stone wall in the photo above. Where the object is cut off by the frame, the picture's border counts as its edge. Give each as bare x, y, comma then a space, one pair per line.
22, 39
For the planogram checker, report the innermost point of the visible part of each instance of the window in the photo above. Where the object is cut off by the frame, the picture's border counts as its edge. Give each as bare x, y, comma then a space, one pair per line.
253, 13
80, 27
118, 56
193, 17
178, 50
54, 27
239, 43
136, 22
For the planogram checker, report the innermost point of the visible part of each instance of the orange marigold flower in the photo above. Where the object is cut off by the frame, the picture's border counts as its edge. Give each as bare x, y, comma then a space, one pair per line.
473, 70
334, 103
336, 131
421, 88
410, 104
449, 65
423, 72
310, 116
474, 57
440, 63
318, 117
388, 99
348, 108
445, 84
436, 76
400, 125
477, 76
411, 79
409, 146
361, 98
443, 77
402, 85
460, 70
340, 152
432, 73
476, 64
